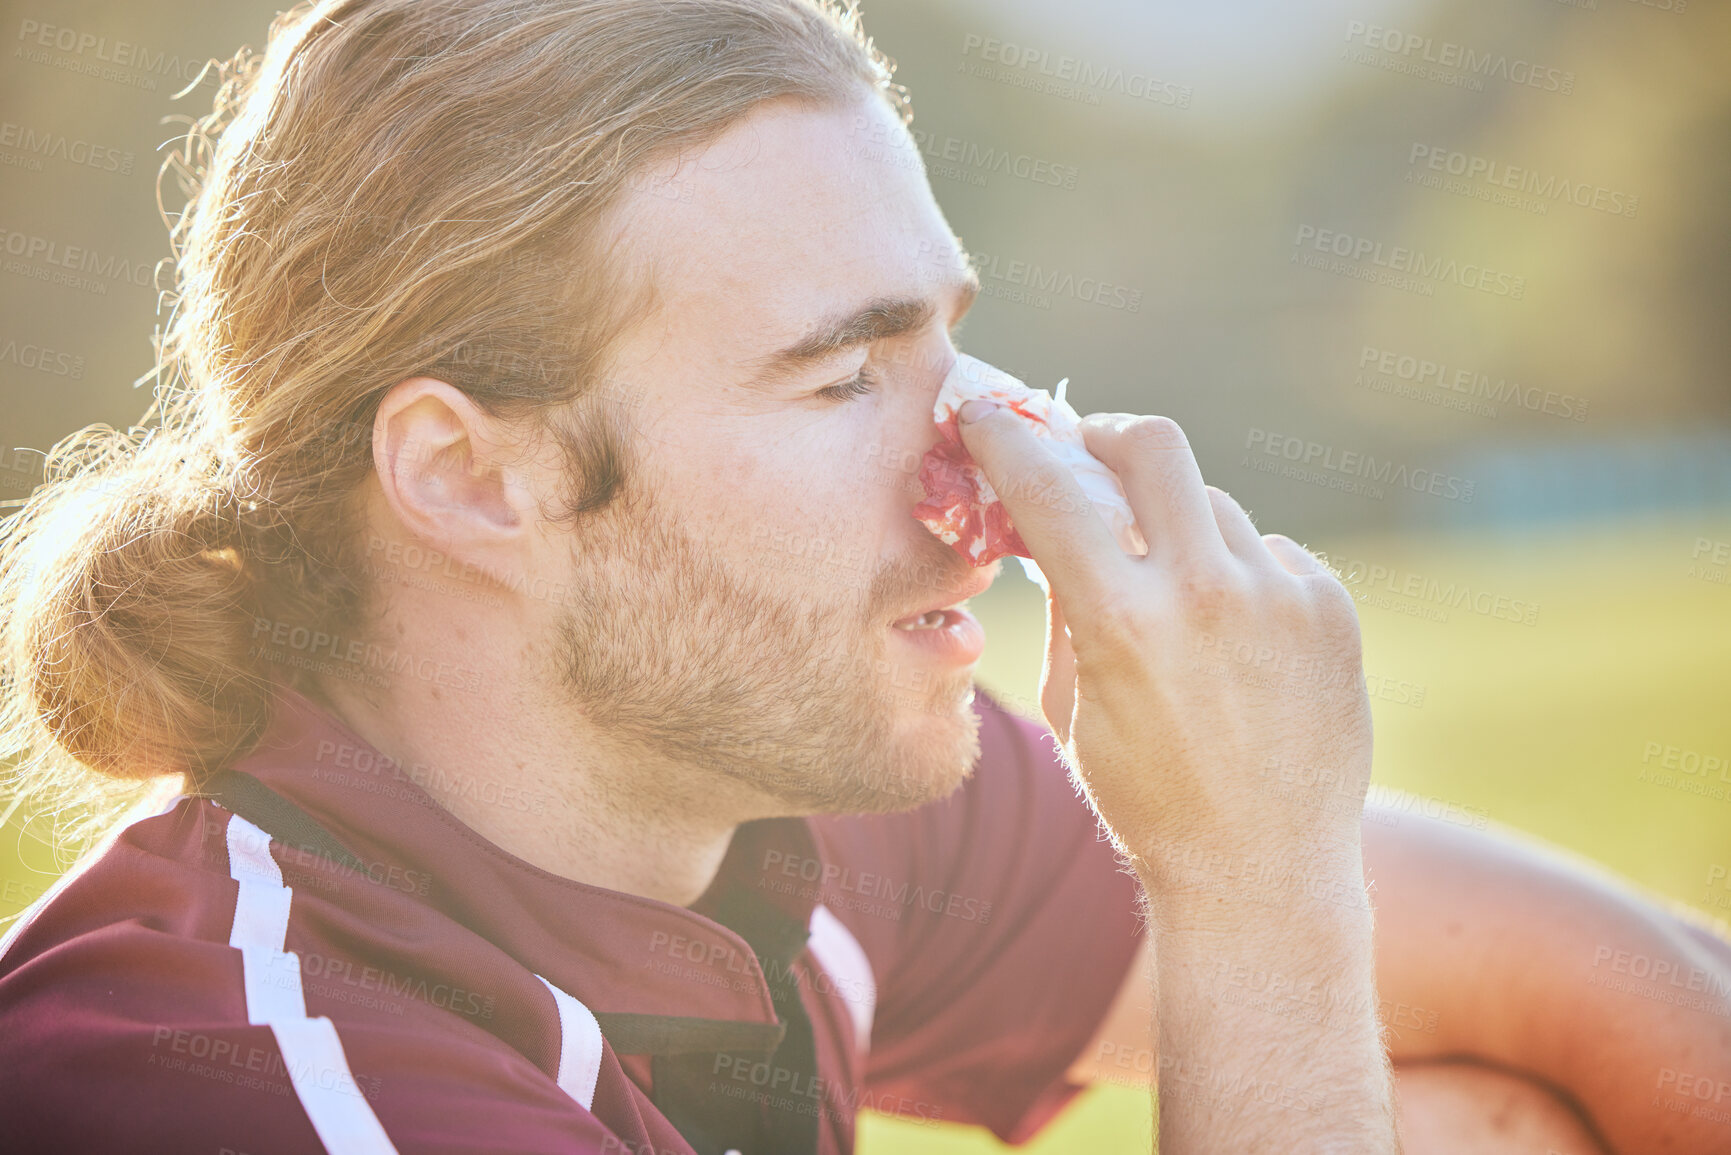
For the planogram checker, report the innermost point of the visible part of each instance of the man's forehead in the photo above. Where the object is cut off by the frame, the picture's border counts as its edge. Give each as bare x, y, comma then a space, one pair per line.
795, 214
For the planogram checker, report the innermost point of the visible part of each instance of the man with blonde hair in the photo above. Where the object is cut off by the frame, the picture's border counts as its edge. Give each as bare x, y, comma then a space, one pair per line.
510, 779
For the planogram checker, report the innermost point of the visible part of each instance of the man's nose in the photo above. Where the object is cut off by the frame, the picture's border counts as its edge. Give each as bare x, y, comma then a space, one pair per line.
908, 429
927, 365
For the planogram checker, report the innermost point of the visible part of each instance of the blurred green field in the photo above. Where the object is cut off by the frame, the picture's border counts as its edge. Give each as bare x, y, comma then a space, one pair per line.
1544, 726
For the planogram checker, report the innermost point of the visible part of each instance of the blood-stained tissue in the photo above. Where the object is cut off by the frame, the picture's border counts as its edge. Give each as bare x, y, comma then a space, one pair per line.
961, 507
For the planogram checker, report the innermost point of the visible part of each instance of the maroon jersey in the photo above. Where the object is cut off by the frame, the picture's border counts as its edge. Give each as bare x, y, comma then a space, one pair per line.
198, 986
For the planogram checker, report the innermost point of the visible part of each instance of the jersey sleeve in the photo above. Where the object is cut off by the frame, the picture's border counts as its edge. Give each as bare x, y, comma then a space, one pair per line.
999, 927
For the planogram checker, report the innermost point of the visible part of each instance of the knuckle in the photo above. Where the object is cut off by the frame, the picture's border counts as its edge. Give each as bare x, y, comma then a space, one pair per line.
1333, 601
1104, 434
1045, 485
1121, 625
1050, 475
1160, 432
1284, 597
1210, 591
1225, 502
1324, 584
1288, 550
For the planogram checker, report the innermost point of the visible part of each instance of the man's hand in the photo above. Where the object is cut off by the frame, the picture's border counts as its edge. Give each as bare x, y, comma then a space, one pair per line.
1173, 681
1184, 674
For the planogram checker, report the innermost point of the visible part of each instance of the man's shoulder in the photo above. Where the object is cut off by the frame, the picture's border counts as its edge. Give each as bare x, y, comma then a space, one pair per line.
162, 876
136, 933
98, 1061
149, 1003
108, 983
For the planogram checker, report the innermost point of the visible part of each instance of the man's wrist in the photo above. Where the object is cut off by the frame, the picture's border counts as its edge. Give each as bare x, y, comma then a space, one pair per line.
1312, 930
1279, 998
1316, 953
1203, 888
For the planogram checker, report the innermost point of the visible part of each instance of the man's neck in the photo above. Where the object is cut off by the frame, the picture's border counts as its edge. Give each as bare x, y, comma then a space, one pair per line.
530, 781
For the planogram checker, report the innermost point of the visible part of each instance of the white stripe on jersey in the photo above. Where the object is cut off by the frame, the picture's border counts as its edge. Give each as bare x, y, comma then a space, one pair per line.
310, 1048
850, 971
579, 1047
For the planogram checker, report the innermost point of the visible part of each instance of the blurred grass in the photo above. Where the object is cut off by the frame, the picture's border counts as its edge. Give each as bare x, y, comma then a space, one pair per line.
1103, 1120
1541, 726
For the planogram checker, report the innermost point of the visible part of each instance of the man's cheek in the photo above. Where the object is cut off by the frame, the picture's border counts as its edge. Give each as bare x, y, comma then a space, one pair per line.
892, 464
797, 502
730, 477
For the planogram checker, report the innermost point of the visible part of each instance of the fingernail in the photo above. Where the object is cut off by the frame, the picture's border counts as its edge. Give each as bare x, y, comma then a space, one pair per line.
974, 409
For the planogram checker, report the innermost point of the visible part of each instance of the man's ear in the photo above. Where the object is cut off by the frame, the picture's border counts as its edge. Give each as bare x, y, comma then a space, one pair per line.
446, 469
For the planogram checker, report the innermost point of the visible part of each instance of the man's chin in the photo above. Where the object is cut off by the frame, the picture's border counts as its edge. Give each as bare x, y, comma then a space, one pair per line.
928, 752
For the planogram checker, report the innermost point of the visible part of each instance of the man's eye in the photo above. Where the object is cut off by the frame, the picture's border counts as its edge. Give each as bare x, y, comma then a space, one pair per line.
859, 385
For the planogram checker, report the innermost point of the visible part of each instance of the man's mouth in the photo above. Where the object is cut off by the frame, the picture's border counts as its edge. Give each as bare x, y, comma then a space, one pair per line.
950, 611
930, 620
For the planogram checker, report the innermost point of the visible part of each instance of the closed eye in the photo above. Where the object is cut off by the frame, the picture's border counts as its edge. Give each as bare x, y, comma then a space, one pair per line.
860, 384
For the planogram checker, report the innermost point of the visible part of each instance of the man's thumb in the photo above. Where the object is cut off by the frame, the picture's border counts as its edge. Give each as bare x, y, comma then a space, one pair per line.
974, 409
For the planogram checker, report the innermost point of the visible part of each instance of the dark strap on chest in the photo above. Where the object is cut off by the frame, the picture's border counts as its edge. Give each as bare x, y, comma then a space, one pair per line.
276, 816
752, 1102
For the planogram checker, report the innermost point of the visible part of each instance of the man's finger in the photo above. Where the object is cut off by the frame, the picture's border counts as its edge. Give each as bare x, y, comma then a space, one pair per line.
1239, 532
1297, 560
1058, 678
1153, 461
1075, 550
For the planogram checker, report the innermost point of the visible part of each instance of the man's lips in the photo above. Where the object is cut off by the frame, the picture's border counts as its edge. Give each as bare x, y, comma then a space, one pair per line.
978, 584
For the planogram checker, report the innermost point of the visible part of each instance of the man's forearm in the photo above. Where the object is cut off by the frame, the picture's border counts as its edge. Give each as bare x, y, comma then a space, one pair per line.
1501, 950
1231, 1077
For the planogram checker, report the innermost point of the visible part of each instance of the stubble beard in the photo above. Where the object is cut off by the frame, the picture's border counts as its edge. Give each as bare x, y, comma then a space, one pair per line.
781, 686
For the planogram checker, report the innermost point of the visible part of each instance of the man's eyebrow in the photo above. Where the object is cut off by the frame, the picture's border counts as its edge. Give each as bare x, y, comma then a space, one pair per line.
878, 320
